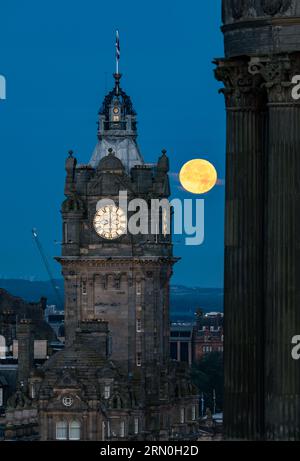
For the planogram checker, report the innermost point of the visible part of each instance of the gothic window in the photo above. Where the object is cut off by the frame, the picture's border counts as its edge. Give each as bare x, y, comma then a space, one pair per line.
74, 430
61, 430
136, 425
1, 396
122, 429
106, 392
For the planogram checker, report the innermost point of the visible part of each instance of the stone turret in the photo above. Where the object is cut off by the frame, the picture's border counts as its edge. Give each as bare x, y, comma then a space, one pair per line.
117, 129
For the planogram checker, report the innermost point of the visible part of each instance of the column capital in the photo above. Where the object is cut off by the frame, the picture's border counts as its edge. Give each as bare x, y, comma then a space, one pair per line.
277, 73
242, 89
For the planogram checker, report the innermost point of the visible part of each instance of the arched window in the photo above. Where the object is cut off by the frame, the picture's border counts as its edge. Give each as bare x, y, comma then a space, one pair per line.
61, 430
74, 430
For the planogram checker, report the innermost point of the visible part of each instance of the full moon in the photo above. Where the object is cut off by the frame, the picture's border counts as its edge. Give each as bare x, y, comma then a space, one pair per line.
198, 176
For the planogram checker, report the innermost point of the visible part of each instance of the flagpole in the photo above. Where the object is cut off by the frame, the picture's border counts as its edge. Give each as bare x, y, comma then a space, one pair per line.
117, 51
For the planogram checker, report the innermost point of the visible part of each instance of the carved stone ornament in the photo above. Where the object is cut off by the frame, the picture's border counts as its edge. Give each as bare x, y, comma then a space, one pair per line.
277, 73
273, 7
241, 88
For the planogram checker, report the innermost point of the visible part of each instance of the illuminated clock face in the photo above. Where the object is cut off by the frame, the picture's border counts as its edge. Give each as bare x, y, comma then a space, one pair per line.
110, 222
116, 110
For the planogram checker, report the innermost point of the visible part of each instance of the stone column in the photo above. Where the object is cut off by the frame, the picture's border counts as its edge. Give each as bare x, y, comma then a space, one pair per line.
282, 373
244, 253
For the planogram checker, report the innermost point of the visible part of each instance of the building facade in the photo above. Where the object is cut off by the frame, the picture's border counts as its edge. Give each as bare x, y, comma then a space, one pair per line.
208, 335
114, 379
262, 289
190, 342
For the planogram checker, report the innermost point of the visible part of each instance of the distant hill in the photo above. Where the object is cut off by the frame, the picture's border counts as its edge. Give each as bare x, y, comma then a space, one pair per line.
184, 300
32, 290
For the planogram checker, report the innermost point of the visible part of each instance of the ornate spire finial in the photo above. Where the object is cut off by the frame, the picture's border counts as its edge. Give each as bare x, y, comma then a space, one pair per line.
71, 152
117, 78
164, 152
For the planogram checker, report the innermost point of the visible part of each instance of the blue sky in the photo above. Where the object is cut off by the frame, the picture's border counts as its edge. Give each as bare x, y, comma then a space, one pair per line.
57, 58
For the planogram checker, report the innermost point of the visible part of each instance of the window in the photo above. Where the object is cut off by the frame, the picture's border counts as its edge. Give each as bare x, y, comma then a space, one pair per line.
138, 288
103, 430
106, 392
1, 396
2, 347
182, 415
138, 359
211, 328
122, 429
193, 412
32, 391
74, 430
138, 325
83, 287
61, 430
136, 425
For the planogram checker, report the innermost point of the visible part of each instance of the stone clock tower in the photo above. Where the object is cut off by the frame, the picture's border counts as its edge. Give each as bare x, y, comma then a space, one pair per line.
110, 274
114, 379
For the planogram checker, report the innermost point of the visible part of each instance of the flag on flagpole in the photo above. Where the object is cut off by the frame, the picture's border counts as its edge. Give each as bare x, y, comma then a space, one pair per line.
117, 46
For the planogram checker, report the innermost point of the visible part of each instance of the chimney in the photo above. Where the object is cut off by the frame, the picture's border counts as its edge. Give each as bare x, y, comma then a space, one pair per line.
25, 352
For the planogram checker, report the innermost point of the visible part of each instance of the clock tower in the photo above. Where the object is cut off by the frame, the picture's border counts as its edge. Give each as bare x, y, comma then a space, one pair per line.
111, 275
114, 379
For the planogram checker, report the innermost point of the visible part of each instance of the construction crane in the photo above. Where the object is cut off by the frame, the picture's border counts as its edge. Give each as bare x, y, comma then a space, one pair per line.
48, 269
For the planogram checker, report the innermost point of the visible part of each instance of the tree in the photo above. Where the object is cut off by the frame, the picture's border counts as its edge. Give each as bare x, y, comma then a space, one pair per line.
208, 376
